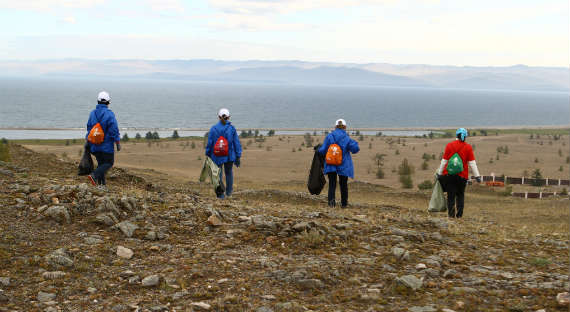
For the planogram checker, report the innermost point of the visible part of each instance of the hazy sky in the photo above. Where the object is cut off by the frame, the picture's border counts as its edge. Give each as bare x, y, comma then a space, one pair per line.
454, 32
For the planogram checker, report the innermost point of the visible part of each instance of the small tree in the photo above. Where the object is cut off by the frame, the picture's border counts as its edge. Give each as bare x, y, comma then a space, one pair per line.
138, 136
148, 135
155, 136
379, 159
379, 173
193, 145
536, 160
426, 157
308, 140
125, 138
175, 135
271, 132
256, 133
397, 152
537, 176
370, 145
561, 169
425, 165
560, 152
406, 181
405, 168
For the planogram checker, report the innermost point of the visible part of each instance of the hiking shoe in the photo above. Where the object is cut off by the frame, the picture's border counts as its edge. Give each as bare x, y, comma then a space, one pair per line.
332, 203
92, 179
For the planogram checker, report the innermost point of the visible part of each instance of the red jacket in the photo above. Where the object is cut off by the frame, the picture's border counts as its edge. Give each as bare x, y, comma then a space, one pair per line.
464, 150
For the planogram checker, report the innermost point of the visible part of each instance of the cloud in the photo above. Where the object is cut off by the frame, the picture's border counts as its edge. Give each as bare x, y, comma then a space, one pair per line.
287, 6
230, 21
69, 20
165, 5
47, 5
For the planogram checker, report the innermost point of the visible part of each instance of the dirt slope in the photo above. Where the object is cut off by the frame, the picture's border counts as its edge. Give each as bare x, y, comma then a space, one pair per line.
262, 250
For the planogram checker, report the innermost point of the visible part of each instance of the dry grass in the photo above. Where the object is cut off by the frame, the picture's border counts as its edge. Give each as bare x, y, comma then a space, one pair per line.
273, 165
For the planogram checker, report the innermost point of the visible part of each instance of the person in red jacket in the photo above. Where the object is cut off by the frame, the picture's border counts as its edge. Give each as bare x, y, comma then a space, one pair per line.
455, 184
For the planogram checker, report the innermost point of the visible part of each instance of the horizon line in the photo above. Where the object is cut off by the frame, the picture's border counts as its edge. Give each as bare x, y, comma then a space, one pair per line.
276, 60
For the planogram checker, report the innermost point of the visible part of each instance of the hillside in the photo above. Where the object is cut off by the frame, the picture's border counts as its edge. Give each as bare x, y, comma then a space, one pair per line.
152, 244
518, 77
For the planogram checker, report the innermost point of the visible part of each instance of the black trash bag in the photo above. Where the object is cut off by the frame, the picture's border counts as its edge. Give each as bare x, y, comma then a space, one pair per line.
317, 180
220, 190
86, 163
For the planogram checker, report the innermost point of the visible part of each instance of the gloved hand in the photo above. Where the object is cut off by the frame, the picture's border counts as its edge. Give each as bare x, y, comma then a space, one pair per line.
238, 162
478, 179
118, 147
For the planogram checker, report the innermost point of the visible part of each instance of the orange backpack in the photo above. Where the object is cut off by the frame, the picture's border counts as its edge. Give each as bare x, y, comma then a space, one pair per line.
96, 135
334, 155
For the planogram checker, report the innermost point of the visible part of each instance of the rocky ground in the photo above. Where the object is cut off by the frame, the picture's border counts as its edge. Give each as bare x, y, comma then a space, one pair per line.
151, 245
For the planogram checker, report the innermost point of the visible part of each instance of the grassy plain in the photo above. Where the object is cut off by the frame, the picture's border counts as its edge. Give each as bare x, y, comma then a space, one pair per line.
282, 162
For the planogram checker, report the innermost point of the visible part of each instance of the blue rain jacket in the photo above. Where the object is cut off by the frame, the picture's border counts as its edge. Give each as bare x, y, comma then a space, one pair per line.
347, 145
103, 115
230, 133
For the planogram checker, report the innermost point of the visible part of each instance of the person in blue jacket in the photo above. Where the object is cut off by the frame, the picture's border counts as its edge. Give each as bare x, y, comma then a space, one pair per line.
224, 128
346, 168
104, 152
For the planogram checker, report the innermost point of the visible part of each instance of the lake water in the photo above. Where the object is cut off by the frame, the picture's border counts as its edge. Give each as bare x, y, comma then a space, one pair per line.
163, 104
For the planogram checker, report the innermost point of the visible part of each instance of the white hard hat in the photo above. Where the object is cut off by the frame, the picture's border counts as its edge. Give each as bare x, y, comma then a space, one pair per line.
224, 112
340, 122
103, 97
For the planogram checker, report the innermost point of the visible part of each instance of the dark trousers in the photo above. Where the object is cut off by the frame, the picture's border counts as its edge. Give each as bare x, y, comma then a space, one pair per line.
454, 185
343, 181
104, 162
228, 170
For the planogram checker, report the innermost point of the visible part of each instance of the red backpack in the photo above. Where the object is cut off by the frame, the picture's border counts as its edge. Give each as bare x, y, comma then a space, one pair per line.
221, 148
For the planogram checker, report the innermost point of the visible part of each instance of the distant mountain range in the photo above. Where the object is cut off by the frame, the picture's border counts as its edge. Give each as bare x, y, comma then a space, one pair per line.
518, 77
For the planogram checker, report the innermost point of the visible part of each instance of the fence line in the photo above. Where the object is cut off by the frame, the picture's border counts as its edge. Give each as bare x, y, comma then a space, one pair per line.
526, 181
539, 195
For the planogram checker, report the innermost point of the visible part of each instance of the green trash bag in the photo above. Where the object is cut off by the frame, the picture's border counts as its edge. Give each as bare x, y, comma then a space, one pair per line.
455, 164
437, 203
211, 172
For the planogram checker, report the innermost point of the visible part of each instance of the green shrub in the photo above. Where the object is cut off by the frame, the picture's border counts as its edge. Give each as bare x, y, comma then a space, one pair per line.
405, 168
425, 165
138, 136
4, 150
406, 181
537, 175
540, 262
125, 138
426, 185
379, 173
